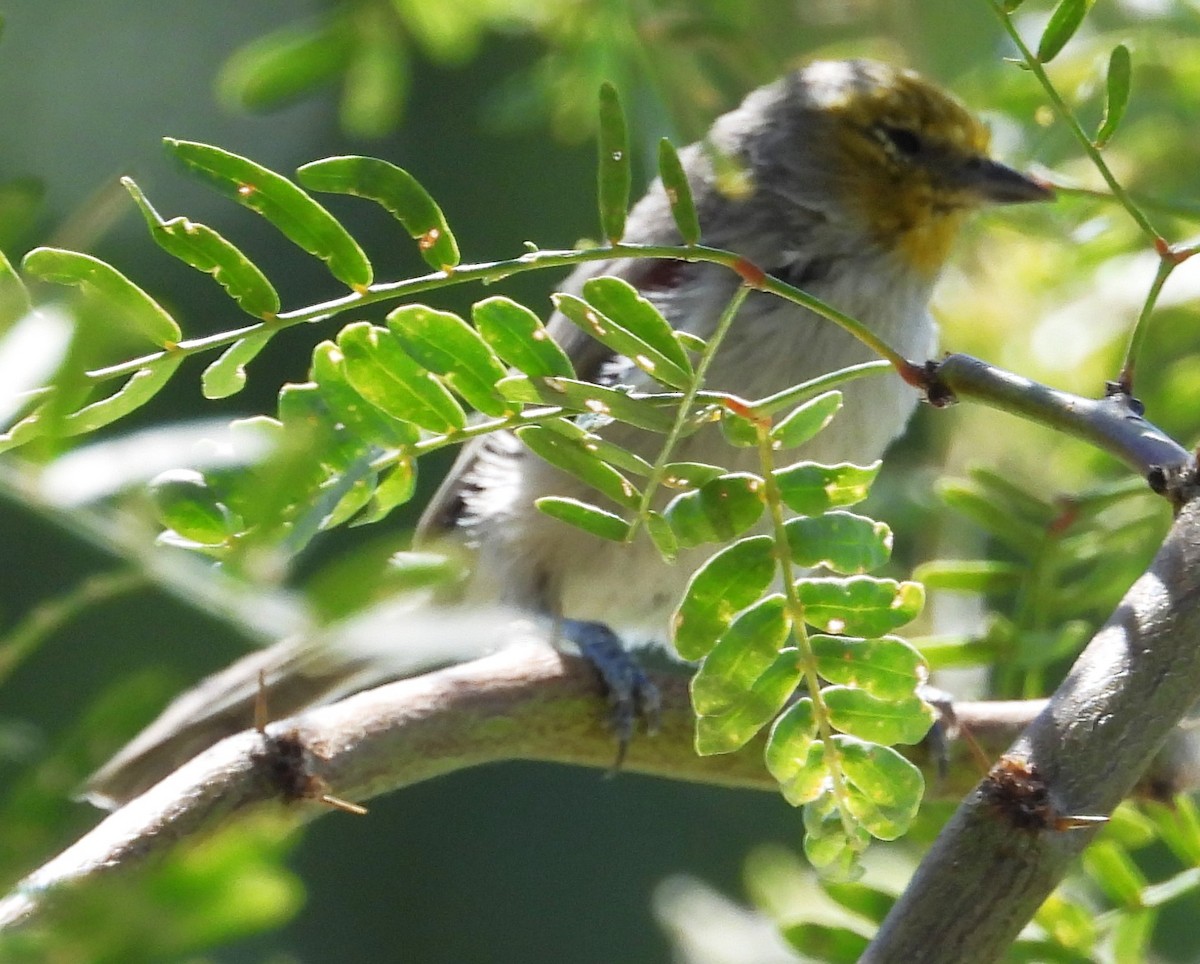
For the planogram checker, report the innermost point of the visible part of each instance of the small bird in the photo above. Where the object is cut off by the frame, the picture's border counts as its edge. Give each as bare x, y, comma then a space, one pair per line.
853, 178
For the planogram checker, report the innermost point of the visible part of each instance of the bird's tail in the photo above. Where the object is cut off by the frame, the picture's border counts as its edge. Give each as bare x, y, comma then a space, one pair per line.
298, 672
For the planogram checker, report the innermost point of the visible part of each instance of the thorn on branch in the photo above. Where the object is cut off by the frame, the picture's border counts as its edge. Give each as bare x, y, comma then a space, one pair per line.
1017, 792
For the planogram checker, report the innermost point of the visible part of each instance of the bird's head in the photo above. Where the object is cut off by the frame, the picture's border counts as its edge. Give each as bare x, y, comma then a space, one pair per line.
883, 152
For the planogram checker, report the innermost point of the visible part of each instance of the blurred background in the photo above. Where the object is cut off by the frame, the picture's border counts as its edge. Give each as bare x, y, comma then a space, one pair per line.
490, 104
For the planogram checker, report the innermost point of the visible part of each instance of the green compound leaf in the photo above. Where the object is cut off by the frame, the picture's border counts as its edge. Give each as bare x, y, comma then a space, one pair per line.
734, 727
622, 304
841, 541
614, 175
448, 346
592, 399
397, 191
859, 605
858, 713
601, 448
1063, 23
806, 420
300, 218
887, 667
364, 420
227, 375
1117, 99
721, 588
721, 509
679, 193
884, 788
575, 458
810, 488
133, 307
205, 250
745, 651
518, 336
623, 339
186, 505
582, 515
384, 374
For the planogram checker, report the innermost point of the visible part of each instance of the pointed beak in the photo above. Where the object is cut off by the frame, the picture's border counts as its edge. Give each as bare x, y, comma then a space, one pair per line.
994, 183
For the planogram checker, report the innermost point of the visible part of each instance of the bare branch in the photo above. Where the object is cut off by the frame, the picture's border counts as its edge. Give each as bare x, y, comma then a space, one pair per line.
1005, 848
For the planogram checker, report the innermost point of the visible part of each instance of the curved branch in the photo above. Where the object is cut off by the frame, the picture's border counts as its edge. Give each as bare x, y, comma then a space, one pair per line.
1009, 843
526, 702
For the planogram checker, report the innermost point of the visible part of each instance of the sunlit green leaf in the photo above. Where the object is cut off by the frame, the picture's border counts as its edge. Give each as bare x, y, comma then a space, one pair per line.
888, 667
679, 192
614, 175
518, 336
384, 374
885, 788
860, 605
301, 219
589, 518
806, 420
662, 535
445, 344
397, 191
613, 332
204, 249
743, 653
721, 509
792, 756
131, 306
734, 726
597, 400
375, 84
858, 713
695, 474
369, 422
623, 305
867, 902
1067, 922
575, 458
140, 388
841, 541
227, 375
810, 488
725, 585
970, 575
14, 298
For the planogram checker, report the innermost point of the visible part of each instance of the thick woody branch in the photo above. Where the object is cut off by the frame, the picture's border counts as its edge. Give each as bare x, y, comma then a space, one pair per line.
1113, 423
526, 702
1009, 843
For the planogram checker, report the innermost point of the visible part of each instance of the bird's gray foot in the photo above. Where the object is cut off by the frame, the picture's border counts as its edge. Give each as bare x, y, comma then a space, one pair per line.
631, 695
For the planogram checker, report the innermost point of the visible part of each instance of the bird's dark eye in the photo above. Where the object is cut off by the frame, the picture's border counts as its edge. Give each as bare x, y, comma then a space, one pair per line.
901, 139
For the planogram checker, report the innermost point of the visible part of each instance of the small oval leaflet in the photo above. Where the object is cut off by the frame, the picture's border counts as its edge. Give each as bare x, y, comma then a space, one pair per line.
518, 336
384, 374
395, 190
583, 515
296, 214
227, 375
574, 458
721, 588
446, 345
133, 307
369, 422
